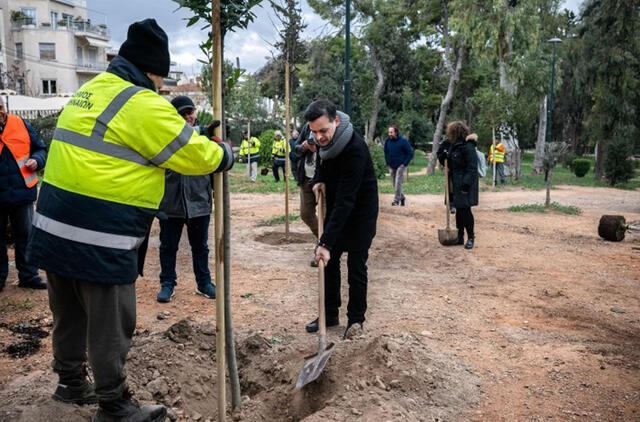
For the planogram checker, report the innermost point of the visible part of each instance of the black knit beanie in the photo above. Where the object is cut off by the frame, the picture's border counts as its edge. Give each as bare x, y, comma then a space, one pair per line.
147, 47
182, 102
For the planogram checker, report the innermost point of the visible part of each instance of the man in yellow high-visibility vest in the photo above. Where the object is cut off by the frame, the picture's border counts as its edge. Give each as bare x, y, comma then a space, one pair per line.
499, 159
278, 154
104, 182
250, 151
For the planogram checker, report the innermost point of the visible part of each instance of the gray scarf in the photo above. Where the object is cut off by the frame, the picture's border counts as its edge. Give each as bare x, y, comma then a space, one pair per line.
340, 139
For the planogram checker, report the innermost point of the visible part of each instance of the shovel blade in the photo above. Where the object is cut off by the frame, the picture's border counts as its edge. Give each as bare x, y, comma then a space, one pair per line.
313, 366
448, 237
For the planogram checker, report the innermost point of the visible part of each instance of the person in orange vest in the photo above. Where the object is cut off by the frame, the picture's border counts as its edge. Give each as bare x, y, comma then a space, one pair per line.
499, 157
22, 154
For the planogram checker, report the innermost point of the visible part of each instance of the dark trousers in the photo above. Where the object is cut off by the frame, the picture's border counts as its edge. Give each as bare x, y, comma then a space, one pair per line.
20, 217
277, 164
357, 277
94, 318
499, 171
198, 232
293, 165
464, 220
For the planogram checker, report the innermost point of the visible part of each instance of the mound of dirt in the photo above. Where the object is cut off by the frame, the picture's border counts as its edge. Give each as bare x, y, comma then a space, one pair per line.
278, 238
384, 377
388, 377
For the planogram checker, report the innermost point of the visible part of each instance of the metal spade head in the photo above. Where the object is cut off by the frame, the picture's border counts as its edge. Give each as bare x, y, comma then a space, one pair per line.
448, 236
313, 366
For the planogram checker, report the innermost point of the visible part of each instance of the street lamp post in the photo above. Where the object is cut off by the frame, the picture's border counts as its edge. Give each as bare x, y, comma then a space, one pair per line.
549, 133
347, 76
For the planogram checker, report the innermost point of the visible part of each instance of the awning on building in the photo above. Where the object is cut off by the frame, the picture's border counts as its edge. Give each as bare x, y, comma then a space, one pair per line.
95, 42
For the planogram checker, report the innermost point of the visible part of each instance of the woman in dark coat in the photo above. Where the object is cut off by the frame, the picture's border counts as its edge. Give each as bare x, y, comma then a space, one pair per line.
460, 151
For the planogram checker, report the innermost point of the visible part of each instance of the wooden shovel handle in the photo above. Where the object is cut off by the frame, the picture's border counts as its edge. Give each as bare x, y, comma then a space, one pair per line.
322, 323
446, 192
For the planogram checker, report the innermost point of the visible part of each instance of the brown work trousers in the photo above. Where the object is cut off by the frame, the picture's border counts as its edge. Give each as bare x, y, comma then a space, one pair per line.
308, 206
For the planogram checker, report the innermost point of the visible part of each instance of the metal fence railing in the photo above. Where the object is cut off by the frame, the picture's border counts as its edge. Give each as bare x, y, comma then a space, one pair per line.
34, 114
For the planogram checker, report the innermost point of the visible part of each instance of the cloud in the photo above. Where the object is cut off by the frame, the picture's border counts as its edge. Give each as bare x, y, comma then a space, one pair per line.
249, 47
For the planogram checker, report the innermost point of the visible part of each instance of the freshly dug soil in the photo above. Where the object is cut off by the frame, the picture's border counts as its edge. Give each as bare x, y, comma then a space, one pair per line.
278, 238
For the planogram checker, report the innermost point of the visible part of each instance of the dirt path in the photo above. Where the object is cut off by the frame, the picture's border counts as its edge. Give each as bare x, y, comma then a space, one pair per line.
541, 321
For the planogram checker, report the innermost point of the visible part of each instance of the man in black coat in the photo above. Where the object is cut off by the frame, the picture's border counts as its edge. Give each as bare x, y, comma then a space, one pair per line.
346, 176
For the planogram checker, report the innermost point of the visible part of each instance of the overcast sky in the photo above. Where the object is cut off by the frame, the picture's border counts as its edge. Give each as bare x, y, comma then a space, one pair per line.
252, 45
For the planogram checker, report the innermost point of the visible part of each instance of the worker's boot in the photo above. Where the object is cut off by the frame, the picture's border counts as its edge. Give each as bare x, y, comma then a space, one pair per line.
166, 291
469, 244
75, 388
354, 329
314, 325
207, 290
36, 283
125, 409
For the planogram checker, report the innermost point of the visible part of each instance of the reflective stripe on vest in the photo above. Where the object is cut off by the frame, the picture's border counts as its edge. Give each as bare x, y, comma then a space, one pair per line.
16, 138
90, 237
499, 155
253, 150
279, 148
96, 143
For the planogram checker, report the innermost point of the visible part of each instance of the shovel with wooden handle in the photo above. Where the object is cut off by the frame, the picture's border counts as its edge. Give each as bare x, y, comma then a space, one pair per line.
447, 236
314, 364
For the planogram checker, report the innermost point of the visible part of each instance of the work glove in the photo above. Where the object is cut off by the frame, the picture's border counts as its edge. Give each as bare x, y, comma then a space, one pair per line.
210, 128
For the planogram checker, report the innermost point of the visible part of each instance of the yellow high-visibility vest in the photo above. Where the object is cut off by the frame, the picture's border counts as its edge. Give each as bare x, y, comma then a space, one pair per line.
253, 149
499, 153
105, 178
278, 148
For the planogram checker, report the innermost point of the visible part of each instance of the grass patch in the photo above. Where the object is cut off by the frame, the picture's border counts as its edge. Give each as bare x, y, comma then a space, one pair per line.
419, 161
540, 208
562, 176
434, 184
239, 182
278, 220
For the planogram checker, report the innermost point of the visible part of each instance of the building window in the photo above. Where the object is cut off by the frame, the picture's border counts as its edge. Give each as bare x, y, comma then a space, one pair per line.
19, 50
79, 55
93, 53
30, 14
49, 86
67, 19
54, 20
47, 51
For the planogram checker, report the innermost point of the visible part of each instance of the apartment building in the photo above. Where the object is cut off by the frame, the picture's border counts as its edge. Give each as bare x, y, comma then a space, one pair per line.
49, 47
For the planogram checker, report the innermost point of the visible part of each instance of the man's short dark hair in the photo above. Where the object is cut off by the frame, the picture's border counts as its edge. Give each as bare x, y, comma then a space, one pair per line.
395, 129
320, 108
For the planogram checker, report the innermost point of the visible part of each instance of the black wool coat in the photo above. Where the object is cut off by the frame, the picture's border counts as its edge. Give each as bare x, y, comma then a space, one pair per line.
463, 171
352, 197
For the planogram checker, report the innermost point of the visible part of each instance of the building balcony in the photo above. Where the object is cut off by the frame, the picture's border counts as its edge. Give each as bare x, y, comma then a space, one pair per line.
92, 68
77, 27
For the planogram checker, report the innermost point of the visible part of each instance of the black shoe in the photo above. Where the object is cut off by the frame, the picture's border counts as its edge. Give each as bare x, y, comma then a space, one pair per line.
469, 244
75, 388
460, 239
402, 202
354, 329
2, 286
394, 203
127, 410
79, 392
313, 326
35, 283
